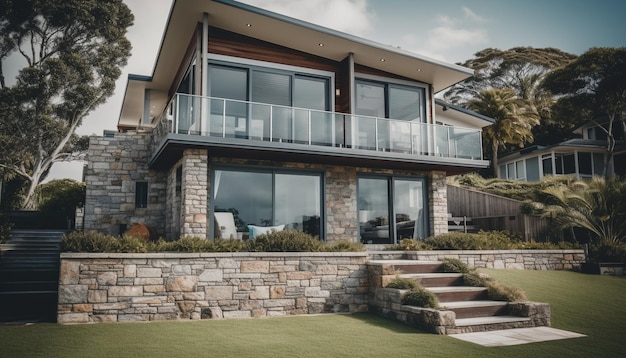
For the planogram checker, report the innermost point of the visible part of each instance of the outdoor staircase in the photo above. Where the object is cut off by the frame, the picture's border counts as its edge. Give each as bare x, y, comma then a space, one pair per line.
29, 275
463, 308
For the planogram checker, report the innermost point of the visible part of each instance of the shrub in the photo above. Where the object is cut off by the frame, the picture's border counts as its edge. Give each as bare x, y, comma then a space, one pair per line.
420, 298
285, 241
408, 245
484, 240
89, 241
501, 292
454, 265
344, 246
607, 251
475, 279
403, 284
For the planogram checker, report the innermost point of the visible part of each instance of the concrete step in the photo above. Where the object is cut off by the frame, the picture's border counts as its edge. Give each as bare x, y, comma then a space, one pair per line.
479, 321
476, 309
458, 293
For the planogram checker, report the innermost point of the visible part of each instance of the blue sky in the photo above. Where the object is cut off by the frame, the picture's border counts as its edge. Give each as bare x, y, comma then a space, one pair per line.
449, 30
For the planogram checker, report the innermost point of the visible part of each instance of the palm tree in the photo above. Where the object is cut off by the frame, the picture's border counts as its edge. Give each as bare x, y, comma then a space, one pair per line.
598, 205
513, 121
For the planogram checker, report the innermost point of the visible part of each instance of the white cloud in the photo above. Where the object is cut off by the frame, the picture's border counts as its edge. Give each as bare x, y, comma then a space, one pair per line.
351, 16
451, 34
471, 15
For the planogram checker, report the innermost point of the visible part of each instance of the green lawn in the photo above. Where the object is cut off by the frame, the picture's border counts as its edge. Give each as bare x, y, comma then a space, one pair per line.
592, 305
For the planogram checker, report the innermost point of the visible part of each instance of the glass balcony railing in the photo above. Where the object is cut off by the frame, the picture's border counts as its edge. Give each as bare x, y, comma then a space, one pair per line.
224, 118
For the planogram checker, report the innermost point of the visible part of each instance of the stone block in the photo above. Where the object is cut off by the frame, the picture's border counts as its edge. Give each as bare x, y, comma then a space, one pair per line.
153, 288
260, 292
237, 314
255, 266
107, 278
97, 296
299, 275
181, 270
211, 312
126, 291
73, 294
147, 281
104, 318
218, 292
82, 307
228, 263
130, 270
69, 272
149, 272
277, 292
73, 318
212, 275
181, 283
315, 292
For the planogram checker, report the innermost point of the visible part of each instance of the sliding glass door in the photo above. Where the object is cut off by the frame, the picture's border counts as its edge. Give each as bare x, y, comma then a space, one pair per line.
391, 209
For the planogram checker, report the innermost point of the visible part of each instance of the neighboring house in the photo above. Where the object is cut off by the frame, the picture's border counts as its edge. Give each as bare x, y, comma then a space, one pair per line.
581, 157
269, 121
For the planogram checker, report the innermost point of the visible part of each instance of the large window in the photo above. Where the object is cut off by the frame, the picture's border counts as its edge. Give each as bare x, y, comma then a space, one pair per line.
391, 209
288, 106
268, 198
375, 100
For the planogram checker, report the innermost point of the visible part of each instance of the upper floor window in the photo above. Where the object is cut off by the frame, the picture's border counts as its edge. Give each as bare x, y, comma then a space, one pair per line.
390, 100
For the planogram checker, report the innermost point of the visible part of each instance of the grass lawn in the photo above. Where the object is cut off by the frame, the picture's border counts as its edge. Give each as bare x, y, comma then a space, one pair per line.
588, 304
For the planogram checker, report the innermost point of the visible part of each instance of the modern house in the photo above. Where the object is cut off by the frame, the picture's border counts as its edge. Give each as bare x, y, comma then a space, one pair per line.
252, 120
581, 157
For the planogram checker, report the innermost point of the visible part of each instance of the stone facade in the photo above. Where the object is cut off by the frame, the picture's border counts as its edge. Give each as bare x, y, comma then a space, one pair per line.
146, 287
179, 197
115, 166
438, 203
194, 193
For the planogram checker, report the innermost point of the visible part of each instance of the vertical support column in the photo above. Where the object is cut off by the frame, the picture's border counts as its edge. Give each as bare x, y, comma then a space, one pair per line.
194, 193
204, 80
438, 203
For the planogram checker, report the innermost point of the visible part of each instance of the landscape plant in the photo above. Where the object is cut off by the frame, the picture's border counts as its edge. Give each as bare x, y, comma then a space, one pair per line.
282, 241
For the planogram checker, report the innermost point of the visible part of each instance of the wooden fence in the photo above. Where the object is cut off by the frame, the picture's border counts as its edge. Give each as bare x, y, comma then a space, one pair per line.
493, 212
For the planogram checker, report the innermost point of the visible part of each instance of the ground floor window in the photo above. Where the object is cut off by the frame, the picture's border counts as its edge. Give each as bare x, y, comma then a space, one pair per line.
285, 200
391, 209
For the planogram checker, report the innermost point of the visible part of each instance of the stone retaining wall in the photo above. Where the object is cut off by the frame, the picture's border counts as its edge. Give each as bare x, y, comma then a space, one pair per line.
507, 259
169, 286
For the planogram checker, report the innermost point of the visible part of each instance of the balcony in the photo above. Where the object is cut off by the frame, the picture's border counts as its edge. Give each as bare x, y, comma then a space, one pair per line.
257, 125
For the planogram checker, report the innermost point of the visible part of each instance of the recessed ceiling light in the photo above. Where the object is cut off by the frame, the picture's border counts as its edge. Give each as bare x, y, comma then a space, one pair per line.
249, 25
320, 44
382, 60
419, 70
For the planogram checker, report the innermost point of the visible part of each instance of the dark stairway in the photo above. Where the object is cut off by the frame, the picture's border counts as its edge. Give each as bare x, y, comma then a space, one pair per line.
29, 275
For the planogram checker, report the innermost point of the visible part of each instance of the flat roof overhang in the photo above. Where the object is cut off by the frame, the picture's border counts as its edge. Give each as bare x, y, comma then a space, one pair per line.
171, 148
281, 30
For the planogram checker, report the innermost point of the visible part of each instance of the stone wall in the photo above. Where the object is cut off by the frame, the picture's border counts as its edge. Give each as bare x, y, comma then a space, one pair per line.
115, 165
168, 286
506, 259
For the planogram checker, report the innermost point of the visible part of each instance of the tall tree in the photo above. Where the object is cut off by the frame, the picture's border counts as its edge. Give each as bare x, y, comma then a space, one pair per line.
521, 69
595, 85
518, 68
513, 121
72, 53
